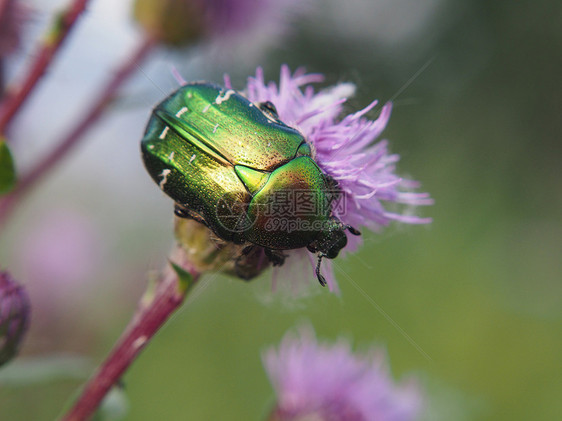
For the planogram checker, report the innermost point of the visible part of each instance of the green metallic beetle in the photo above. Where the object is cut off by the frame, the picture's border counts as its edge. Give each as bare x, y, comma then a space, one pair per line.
235, 167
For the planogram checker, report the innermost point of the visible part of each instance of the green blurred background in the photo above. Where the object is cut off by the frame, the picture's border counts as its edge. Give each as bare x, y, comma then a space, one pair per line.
478, 293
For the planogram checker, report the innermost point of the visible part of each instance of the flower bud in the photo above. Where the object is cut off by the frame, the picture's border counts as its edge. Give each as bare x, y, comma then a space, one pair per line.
206, 252
14, 316
181, 22
172, 22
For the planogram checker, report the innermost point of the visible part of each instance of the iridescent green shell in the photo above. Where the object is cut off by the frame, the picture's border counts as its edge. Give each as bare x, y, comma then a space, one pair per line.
226, 160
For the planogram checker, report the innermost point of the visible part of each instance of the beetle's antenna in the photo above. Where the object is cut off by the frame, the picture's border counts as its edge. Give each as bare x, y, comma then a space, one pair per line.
320, 277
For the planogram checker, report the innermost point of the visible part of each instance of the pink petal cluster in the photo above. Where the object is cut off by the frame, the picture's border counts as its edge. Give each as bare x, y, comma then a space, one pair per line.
327, 382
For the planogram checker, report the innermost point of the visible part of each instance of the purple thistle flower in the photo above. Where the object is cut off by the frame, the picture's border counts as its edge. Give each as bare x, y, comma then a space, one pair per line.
14, 316
345, 148
326, 382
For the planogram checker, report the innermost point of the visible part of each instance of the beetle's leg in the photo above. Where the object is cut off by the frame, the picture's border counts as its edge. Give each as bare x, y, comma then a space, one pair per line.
250, 263
320, 277
182, 212
240, 264
276, 257
332, 183
353, 230
268, 107
247, 250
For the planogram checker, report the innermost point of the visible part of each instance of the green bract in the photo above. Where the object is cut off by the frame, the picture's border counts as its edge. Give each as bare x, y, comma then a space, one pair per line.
235, 167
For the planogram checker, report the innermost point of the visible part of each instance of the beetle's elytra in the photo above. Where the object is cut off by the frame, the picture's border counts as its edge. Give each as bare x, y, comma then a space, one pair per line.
235, 167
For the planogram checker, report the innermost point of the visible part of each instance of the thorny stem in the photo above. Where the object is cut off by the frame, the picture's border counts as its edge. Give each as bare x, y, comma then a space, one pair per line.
47, 50
148, 319
48, 162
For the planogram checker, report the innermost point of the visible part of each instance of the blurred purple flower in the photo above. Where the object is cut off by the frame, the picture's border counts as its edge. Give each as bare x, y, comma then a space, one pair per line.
227, 17
181, 21
345, 148
14, 316
12, 17
322, 382
60, 252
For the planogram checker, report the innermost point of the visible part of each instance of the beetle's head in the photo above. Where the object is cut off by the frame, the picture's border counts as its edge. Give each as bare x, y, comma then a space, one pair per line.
332, 239
330, 242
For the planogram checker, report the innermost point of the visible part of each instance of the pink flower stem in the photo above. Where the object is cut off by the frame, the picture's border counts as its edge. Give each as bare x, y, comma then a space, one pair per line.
51, 43
148, 319
2, 86
48, 162
3, 7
